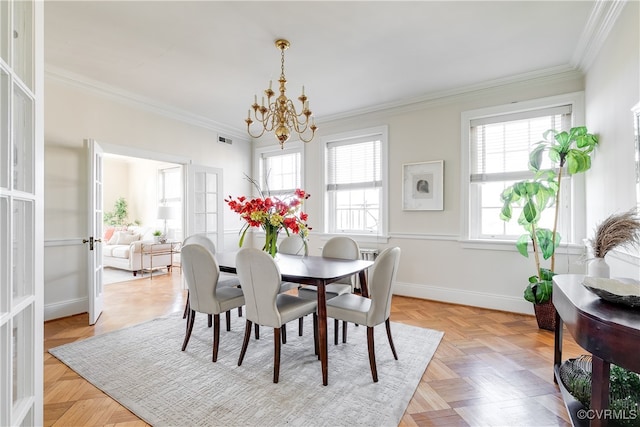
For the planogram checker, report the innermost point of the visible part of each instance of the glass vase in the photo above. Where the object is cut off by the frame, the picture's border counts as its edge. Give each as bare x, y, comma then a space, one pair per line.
271, 239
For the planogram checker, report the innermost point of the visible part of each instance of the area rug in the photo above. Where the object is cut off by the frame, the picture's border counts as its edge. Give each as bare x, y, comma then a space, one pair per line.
143, 368
116, 275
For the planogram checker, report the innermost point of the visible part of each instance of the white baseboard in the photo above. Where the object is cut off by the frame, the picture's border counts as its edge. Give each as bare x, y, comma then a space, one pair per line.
65, 308
464, 297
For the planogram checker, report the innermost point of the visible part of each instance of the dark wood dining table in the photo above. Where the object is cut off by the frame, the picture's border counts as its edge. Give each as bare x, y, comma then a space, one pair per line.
316, 271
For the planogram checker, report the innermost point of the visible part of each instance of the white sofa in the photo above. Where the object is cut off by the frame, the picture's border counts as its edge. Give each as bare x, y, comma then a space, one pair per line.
124, 251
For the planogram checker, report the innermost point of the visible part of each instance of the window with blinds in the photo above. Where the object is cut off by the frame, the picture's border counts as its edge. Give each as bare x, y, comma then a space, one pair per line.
354, 184
499, 156
280, 172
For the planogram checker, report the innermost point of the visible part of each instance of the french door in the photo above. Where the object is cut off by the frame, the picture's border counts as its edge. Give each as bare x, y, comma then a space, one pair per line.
204, 203
21, 212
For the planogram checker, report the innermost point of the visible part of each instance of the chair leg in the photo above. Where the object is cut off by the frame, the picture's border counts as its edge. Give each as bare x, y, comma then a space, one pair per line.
210, 320
257, 329
300, 325
192, 318
245, 343
228, 319
216, 336
316, 343
393, 348
335, 331
276, 354
344, 331
372, 354
186, 307
283, 328
239, 311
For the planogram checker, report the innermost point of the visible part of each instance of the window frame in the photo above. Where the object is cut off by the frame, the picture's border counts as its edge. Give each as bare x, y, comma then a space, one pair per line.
273, 150
470, 225
379, 131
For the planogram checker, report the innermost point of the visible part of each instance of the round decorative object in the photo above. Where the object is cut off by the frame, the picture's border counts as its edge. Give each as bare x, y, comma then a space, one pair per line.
598, 267
619, 291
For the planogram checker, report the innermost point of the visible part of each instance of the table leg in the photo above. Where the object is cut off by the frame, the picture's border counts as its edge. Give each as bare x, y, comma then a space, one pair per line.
364, 288
322, 331
599, 390
557, 353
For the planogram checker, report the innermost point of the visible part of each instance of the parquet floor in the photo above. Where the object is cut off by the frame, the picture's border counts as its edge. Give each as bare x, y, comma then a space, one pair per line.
491, 369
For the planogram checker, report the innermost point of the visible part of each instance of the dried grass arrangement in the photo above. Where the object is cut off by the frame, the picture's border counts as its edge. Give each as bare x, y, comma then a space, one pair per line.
619, 230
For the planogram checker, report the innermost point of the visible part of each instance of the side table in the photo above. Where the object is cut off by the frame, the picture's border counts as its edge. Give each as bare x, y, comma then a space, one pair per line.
153, 249
610, 332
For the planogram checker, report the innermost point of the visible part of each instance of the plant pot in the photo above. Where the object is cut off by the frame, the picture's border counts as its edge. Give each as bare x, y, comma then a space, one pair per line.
545, 315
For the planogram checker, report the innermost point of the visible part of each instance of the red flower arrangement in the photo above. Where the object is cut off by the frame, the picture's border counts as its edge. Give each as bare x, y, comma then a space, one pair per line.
272, 215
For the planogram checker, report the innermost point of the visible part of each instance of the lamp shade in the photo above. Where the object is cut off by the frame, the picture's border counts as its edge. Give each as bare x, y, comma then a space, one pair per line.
166, 212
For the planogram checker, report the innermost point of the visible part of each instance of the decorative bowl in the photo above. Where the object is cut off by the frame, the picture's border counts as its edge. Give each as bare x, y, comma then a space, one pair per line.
617, 290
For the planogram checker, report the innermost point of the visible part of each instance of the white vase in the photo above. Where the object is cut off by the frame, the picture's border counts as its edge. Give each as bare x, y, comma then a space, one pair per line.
598, 267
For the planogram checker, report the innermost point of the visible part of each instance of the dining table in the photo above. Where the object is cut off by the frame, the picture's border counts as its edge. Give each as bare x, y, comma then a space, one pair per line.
316, 271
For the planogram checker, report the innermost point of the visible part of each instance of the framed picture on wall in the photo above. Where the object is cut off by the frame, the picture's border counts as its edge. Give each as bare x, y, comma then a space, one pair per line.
423, 186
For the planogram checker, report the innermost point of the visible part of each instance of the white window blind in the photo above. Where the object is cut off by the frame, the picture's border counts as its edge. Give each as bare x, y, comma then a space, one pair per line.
354, 164
500, 145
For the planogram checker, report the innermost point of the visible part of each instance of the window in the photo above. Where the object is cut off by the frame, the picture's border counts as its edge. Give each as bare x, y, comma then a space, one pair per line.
280, 170
170, 194
356, 174
498, 150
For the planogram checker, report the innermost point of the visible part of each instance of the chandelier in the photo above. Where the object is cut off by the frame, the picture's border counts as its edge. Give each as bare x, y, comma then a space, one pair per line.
280, 115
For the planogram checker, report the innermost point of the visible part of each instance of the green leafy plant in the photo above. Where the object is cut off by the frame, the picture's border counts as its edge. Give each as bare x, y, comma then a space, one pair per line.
118, 216
157, 233
570, 151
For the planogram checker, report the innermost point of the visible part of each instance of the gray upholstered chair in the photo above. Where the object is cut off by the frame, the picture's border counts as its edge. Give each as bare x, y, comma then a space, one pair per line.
260, 280
224, 280
337, 247
372, 311
293, 245
201, 272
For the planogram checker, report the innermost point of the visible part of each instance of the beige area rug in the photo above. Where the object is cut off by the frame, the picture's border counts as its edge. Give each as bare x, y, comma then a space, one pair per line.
116, 275
143, 368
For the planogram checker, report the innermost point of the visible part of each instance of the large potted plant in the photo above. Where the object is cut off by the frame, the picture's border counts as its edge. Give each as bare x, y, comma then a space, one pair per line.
570, 152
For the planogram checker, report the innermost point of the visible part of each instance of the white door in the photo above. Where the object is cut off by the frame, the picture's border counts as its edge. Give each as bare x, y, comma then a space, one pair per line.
93, 241
21, 212
204, 203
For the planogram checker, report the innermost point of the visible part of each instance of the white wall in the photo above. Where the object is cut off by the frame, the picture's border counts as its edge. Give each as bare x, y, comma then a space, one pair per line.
73, 114
612, 90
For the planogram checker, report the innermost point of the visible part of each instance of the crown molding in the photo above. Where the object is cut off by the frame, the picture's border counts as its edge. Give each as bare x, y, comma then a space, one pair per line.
146, 104
603, 15
532, 78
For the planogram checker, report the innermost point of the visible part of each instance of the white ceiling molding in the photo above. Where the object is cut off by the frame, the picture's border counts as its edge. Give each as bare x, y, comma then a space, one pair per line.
140, 102
562, 73
603, 16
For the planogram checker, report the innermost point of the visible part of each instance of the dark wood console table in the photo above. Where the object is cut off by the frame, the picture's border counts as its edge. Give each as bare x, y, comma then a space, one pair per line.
610, 332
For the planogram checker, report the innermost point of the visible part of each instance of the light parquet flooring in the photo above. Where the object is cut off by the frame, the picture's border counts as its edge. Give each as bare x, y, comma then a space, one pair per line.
491, 369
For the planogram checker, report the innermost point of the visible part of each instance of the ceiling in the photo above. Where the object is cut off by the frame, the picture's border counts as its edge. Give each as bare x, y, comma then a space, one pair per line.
207, 59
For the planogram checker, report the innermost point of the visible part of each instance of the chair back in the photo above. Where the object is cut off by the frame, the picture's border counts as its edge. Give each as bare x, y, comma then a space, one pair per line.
201, 272
382, 277
342, 247
293, 245
201, 239
260, 281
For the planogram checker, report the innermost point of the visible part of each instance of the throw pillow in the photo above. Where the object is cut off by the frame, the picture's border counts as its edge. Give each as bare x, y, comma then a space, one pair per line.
114, 238
126, 239
108, 234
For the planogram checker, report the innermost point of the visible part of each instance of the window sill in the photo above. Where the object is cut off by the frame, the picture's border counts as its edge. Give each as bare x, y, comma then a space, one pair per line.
510, 245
